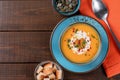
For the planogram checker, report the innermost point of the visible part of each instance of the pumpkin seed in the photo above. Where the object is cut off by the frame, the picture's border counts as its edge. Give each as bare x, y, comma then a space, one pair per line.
59, 4
66, 5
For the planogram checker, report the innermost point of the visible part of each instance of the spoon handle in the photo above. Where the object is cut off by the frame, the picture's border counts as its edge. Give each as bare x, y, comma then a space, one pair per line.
113, 35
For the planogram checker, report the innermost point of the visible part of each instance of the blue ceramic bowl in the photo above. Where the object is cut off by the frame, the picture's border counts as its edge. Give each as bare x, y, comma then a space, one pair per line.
56, 49
66, 13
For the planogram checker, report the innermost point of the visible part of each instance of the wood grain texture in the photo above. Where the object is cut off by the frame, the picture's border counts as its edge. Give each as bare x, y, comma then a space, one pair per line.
26, 71
24, 46
28, 15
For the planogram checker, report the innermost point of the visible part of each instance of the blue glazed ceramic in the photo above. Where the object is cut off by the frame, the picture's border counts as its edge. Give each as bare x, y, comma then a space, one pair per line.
65, 63
66, 13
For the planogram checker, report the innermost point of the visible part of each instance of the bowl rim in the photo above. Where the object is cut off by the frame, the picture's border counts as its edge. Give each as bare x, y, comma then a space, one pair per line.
67, 13
47, 61
50, 43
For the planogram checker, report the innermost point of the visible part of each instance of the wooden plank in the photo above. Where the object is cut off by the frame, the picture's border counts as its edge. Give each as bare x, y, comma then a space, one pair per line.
28, 15
24, 46
17, 71
25, 72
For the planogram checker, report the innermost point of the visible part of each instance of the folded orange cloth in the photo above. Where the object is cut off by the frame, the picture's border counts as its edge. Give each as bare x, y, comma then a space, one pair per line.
112, 61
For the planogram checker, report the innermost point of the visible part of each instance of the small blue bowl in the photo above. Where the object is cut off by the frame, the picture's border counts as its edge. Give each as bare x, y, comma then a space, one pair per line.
66, 13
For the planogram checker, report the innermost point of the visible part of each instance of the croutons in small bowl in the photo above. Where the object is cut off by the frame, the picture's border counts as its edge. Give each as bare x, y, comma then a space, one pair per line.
48, 70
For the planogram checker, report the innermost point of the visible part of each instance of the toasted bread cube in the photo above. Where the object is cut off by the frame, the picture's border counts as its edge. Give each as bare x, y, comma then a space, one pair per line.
46, 79
54, 68
40, 68
47, 71
48, 65
52, 76
40, 76
59, 74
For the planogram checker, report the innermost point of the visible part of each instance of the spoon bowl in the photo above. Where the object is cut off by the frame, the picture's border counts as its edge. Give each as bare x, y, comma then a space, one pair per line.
99, 9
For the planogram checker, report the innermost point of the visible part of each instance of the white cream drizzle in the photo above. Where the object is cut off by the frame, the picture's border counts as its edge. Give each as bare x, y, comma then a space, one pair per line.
77, 36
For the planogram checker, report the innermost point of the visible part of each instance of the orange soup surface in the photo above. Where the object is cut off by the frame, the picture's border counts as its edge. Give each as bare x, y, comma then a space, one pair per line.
80, 43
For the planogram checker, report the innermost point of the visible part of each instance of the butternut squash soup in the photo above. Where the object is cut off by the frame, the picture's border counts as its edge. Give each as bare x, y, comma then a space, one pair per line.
80, 43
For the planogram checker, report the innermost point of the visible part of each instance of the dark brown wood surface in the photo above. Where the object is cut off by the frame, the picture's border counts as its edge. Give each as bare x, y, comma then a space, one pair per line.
25, 29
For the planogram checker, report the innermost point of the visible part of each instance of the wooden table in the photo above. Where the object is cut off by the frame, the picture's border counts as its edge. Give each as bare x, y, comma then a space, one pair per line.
25, 29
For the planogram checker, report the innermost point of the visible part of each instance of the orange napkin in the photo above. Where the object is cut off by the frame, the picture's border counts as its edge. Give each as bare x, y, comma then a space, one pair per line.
112, 61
